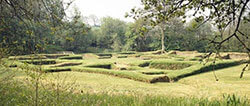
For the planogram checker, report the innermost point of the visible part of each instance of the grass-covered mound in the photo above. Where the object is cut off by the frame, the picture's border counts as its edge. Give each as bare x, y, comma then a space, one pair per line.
104, 54
153, 73
194, 59
122, 56
164, 56
169, 65
201, 68
104, 57
127, 53
124, 74
154, 70
63, 64
98, 56
27, 57
32, 65
144, 64
100, 65
72, 57
53, 56
57, 69
40, 62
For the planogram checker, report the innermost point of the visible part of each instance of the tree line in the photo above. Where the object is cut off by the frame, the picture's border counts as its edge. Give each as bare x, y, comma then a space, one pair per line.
42, 26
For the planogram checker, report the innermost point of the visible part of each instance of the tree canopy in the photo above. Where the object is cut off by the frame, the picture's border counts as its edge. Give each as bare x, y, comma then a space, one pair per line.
221, 13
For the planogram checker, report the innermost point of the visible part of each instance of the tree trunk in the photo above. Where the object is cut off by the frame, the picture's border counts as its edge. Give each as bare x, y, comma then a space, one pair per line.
162, 40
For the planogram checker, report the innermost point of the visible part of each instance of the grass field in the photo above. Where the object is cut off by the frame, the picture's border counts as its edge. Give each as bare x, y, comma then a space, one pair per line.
202, 85
134, 76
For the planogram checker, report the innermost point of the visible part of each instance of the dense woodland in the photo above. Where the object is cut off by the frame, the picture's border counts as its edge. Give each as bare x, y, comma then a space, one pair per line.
43, 27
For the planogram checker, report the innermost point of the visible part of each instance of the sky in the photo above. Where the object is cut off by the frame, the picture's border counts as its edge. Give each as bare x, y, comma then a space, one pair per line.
103, 8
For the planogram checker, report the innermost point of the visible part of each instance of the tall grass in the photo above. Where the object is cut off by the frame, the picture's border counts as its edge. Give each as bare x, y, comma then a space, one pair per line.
15, 94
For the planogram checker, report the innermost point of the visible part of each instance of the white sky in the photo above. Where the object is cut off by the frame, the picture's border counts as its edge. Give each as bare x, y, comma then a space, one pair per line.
103, 8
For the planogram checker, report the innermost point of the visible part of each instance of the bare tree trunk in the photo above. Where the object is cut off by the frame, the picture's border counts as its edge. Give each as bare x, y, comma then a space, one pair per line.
162, 39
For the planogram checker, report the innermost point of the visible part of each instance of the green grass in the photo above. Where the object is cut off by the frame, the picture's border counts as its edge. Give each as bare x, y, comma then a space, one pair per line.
201, 68
150, 71
104, 89
64, 64
170, 64
100, 82
124, 74
17, 94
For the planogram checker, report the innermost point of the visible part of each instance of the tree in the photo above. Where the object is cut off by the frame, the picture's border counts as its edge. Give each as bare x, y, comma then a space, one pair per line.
27, 24
154, 11
222, 13
112, 34
94, 20
138, 38
76, 34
